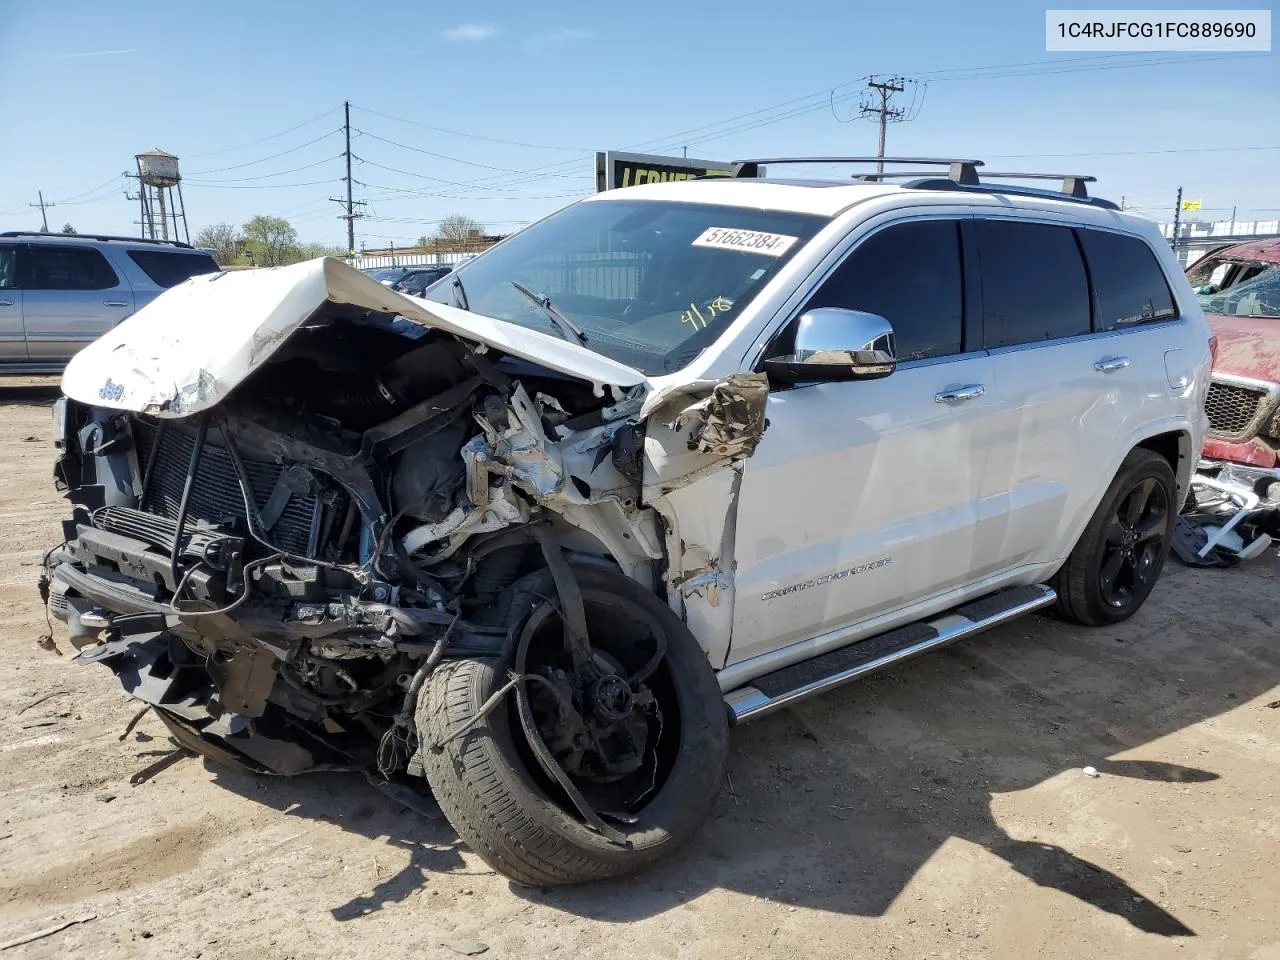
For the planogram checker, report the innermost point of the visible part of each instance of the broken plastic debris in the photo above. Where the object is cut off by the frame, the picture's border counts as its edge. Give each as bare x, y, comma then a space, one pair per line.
1090, 771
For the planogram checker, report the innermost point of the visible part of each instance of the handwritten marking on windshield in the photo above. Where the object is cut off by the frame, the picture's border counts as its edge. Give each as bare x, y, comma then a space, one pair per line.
695, 318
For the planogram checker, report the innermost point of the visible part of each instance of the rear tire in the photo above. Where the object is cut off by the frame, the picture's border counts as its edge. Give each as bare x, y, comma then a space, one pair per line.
504, 810
1117, 560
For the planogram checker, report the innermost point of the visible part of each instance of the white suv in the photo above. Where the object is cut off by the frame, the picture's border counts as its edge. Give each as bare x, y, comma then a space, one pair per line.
673, 457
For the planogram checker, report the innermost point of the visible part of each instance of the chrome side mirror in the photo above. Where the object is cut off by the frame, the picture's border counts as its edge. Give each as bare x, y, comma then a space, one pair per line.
837, 344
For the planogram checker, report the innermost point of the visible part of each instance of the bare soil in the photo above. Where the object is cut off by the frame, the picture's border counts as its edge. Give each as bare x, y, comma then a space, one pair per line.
938, 810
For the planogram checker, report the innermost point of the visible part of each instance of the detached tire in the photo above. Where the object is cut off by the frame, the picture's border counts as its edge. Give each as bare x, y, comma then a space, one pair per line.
501, 803
1117, 560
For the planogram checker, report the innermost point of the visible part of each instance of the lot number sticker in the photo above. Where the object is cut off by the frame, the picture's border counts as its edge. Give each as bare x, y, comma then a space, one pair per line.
745, 241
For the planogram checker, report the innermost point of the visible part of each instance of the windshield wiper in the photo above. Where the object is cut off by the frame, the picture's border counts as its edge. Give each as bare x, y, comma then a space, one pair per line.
460, 294
562, 323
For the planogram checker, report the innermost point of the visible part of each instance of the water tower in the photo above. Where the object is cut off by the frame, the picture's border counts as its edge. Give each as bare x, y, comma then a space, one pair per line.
160, 194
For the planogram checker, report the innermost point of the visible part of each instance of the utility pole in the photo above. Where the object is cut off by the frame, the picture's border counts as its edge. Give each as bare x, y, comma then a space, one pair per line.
1177, 217
351, 218
351, 215
886, 89
44, 219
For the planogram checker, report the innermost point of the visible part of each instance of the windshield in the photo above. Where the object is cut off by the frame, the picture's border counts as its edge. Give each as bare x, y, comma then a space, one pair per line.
390, 274
650, 283
1237, 288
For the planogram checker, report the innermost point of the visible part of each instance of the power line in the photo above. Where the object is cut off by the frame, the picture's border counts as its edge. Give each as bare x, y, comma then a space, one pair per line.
255, 186
410, 173
446, 196
1180, 59
274, 136
425, 220
470, 136
422, 176
805, 104
263, 176
438, 156
111, 194
1126, 153
955, 73
302, 206
282, 153
85, 193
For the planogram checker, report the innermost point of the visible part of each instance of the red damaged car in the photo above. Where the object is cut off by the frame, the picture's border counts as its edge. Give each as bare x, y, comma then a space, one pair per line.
1239, 289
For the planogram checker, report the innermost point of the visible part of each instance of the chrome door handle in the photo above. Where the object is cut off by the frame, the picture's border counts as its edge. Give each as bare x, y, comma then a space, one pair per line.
115, 303
1111, 364
6, 303
960, 393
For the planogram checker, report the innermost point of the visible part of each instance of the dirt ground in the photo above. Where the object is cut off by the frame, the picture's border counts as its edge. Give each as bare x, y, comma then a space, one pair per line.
938, 810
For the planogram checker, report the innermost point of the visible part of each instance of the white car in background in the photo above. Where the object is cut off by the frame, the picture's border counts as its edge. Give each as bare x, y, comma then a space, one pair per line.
673, 457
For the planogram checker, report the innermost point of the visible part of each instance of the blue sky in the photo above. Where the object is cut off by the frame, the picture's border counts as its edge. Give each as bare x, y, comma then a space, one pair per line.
90, 84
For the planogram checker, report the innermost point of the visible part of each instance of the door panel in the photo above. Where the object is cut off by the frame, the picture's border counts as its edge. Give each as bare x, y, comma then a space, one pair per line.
861, 497
864, 496
13, 339
71, 296
1063, 403
1055, 428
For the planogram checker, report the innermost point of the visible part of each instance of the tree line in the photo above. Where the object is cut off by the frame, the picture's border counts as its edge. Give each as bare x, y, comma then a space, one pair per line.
263, 241
267, 241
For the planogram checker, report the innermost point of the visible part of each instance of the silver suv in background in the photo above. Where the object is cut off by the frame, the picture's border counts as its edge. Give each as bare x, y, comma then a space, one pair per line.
59, 293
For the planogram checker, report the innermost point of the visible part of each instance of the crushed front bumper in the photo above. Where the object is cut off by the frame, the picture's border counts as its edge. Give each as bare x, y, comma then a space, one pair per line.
225, 706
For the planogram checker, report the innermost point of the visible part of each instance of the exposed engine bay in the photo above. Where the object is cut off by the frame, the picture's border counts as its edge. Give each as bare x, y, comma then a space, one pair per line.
278, 572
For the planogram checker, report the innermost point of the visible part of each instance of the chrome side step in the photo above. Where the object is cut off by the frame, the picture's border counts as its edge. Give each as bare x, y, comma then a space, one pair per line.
829, 670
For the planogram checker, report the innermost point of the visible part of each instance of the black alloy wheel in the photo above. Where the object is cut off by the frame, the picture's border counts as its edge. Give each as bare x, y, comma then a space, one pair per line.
1134, 543
1118, 558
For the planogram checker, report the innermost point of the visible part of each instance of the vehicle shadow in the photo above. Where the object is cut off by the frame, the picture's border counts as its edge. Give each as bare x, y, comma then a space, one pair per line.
837, 803
36, 391
350, 802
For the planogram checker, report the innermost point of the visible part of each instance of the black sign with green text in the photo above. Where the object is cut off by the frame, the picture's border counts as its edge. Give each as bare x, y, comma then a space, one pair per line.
632, 169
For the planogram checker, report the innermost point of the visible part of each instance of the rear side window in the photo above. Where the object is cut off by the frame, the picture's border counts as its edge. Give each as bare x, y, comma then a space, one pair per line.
1033, 283
168, 269
910, 275
67, 268
1128, 284
8, 266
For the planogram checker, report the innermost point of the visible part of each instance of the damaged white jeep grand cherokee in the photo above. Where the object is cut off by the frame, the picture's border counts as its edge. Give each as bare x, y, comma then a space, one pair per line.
674, 456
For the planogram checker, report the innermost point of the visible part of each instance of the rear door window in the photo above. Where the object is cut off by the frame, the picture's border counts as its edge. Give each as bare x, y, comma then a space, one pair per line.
910, 274
168, 269
8, 266
1128, 285
67, 268
1034, 285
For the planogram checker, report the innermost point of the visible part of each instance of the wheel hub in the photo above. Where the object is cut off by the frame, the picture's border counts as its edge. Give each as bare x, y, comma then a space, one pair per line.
612, 698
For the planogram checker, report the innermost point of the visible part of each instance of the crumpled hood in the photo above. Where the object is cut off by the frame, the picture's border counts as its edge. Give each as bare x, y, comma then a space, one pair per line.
187, 349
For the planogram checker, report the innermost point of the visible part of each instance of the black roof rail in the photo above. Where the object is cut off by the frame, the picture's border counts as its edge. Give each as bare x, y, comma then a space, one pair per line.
72, 237
942, 183
961, 171
1073, 184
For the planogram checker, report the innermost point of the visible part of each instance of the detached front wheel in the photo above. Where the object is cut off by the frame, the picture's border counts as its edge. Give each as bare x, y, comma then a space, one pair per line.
579, 771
